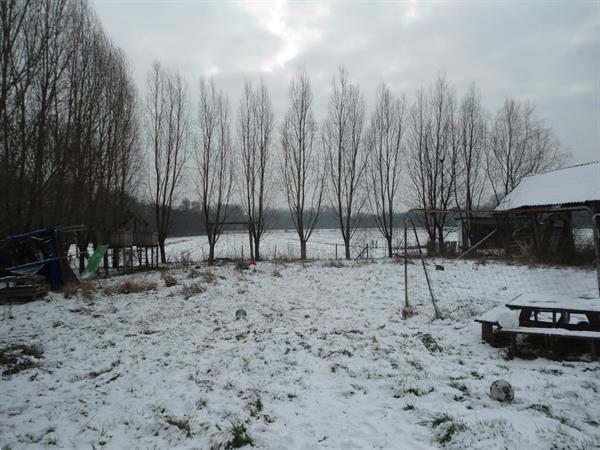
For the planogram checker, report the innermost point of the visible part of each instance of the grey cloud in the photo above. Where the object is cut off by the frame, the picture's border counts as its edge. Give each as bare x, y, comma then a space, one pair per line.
548, 52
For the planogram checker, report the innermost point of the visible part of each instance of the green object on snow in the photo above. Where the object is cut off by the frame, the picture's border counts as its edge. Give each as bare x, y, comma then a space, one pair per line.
240, 313
94, 262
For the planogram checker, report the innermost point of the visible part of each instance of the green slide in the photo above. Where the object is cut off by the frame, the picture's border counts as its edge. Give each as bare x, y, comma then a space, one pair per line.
94, 262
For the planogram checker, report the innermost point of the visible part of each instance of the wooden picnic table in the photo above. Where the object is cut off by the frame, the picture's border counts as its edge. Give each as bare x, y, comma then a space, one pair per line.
560, 307
529, 323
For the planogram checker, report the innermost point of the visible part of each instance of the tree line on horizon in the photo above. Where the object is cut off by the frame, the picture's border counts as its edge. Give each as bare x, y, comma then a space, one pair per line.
79, 145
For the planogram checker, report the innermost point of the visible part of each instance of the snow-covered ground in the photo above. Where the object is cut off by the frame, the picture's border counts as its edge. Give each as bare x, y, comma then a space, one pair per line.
323, 360
278, 244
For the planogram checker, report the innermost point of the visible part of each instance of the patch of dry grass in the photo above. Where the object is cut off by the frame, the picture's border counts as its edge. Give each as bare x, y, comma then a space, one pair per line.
130, 286
168, 279
86, 288
189, 290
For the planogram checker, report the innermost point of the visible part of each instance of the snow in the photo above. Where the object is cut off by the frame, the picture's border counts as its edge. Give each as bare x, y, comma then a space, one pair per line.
284, 244
555, 302
595, 335
324, 348
576, 184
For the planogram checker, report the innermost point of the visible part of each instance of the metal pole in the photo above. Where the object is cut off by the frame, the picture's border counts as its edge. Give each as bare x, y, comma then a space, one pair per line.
405, 268
435, 308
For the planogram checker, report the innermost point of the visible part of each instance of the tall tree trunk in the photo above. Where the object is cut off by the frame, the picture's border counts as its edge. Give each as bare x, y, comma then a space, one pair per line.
161, 246
389, 245
347, 246
256, 249
302, 249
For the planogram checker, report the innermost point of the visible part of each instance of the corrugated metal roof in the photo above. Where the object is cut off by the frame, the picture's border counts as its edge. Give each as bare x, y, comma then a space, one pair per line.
575, 184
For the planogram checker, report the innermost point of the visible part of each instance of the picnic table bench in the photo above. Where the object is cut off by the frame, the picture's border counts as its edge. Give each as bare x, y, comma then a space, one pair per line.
526, 320
561, 325
490, 322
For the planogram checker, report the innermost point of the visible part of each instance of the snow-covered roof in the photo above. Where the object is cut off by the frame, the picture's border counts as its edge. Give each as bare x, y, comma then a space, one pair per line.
575, 184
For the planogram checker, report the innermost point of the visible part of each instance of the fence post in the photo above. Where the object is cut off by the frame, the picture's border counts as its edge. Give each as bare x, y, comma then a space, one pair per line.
367, 250
405, 268
335, 251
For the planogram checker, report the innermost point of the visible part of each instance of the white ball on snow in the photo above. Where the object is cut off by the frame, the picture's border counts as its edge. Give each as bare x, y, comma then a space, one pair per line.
502, 391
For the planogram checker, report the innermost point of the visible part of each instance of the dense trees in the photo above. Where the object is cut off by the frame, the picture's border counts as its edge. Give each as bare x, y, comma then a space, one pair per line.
69, 138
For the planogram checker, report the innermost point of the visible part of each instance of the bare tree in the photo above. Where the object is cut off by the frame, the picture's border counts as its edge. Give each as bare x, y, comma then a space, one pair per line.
432, 158
301, 168
168, 120
471, 127
342, 137
213, 158
255, 127
385, 148
520, 145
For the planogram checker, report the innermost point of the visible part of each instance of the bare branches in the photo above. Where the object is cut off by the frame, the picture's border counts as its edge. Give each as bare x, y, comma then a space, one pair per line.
167, 118
433, 142
255, 128
213, 159
68, 129
342, 137
301, 168
385, 143
519, 145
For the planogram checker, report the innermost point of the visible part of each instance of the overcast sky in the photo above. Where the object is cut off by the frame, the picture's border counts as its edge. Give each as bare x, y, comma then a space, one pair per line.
544, 51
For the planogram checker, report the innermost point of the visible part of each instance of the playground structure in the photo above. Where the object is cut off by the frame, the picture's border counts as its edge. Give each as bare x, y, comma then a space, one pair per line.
131, 246
29, 262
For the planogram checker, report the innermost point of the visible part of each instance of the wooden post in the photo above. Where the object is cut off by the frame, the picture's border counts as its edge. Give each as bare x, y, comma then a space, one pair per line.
513, 344
336, 251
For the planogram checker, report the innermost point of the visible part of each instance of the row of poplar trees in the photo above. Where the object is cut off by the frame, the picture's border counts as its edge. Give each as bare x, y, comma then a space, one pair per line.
438, 153
69, 137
